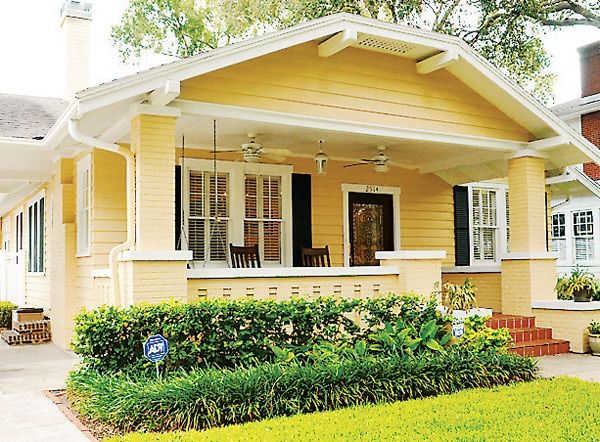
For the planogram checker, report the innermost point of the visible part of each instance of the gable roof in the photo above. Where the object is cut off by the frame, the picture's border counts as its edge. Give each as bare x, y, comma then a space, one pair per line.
28, 117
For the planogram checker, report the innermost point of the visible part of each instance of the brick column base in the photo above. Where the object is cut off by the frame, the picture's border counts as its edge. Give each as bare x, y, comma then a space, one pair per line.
525, 280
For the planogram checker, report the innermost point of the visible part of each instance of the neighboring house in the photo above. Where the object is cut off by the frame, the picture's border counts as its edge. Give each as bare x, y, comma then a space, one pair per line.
117, 209
575, 221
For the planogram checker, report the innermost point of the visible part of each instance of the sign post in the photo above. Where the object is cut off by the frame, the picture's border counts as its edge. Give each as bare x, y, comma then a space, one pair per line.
156, 348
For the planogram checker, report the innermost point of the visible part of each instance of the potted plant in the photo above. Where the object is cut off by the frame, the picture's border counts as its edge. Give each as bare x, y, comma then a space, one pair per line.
594, 329
581, 284
459, 299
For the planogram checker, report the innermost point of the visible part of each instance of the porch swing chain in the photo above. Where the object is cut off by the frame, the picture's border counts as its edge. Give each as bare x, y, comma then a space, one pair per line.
182, 230
216, 200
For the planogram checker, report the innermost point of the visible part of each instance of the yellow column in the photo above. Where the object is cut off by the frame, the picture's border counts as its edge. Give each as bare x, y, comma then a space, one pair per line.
528, 270
154, 270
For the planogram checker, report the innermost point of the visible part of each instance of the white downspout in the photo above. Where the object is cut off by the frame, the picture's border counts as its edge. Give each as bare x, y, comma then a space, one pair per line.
113, 256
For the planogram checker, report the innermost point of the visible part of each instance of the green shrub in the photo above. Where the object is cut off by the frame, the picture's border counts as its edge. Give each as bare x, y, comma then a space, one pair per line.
232, 333
6, 309
479, 337
212, 397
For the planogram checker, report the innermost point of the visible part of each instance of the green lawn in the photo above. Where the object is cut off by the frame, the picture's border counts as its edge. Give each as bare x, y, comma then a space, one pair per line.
561, 409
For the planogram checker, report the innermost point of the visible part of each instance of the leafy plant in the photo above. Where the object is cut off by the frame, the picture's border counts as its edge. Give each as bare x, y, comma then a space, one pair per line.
6, 309
478, 337
211, 397
401, 339
460, 297
579, 280
594, 328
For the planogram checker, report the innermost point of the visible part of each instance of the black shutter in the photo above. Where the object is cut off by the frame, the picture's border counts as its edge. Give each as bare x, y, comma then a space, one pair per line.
462, 251
177, 207
301, 215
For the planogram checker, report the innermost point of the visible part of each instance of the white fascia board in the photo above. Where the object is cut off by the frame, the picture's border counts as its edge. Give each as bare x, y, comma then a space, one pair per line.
21, 142
585, 180
267, 116
437, 62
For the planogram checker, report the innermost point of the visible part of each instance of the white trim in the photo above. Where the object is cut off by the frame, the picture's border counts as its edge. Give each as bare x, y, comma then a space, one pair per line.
566, 305
101, 273
148, 109
521, 256
411, 255
32, 201
437, 62
338, 42
151, 255
164, 95
199, 108
84, 165
292, 272
235, 229
472, 269
530, 153
375, 189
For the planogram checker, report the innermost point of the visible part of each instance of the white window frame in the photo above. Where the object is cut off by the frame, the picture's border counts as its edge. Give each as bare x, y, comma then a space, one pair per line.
235, 230
573, 238
40, 239
19, 235
501, 229
6, 232
83, 206
377, 190
565, 238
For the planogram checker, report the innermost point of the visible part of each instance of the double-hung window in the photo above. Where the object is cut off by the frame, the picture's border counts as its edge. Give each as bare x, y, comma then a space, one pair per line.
83, 206
35, 221
583, 235
262, 221
18, 235
484, 214
251, 206
559, 236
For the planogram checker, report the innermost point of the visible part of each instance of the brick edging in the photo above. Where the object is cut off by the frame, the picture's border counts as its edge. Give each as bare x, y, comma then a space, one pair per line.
70, 415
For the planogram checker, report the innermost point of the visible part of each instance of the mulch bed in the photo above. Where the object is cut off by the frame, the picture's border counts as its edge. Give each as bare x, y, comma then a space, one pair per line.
93, 430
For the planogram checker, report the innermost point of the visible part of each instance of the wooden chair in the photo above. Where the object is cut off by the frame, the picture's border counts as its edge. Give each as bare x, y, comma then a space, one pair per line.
315, 257
244, 257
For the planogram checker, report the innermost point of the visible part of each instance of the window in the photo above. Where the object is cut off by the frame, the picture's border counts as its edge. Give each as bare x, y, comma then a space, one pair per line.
83, 206
208, 216
262, 221
6, 234
252, 206
485, 224
18, 235
35, 217
559, 237
583, 235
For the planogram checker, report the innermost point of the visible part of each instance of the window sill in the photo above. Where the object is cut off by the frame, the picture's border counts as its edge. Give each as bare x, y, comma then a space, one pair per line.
36, 274
491, 268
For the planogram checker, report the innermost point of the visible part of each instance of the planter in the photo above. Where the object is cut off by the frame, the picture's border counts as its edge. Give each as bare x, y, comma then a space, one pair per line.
595, 344
583, 295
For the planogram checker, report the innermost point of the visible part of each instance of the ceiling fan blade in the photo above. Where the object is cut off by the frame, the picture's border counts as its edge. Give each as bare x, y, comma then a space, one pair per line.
355, 164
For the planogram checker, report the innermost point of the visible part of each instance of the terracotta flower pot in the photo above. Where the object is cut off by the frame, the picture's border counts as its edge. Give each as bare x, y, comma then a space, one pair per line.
595, 344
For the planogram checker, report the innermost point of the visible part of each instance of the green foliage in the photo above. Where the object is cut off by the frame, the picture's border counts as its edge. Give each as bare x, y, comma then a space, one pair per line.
594, 328
533, 411
211, 397
479, 337
460, 297
6, 309
232, 333
579, 279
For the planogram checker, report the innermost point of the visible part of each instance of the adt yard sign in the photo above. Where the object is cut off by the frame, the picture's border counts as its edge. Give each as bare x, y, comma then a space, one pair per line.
156, 348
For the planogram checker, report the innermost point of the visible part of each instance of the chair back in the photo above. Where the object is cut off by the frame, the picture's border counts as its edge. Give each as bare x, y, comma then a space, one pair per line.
244, 257
315, 256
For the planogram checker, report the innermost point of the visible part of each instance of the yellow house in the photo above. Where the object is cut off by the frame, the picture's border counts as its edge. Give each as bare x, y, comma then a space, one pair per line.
139, 187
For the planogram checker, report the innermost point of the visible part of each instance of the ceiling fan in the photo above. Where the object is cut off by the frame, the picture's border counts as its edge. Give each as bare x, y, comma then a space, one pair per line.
381, 162
252, 151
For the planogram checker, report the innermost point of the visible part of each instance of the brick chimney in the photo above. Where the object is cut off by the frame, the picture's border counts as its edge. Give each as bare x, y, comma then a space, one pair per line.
590, 85
76, 19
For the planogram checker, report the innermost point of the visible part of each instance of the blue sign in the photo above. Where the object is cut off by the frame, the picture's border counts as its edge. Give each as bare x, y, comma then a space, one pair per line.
156, 348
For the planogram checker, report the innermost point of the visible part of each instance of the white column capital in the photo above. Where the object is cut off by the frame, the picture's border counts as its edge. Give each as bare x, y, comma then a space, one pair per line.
148, 109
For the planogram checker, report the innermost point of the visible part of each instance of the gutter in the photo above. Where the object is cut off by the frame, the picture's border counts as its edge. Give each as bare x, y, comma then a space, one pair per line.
113, 256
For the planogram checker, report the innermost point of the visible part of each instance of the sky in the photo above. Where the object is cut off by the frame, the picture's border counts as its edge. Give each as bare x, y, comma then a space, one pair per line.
31, 49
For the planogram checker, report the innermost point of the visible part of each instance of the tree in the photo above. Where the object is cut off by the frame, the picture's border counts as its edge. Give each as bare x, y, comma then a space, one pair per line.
506, 32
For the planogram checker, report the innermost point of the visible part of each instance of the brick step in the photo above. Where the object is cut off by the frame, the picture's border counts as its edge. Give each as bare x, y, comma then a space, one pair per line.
542, 347
529, 334
511, 322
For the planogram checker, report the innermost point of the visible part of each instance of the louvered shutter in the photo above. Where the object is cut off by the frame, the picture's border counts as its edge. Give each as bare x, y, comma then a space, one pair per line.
196, 223
462, 255
219, 209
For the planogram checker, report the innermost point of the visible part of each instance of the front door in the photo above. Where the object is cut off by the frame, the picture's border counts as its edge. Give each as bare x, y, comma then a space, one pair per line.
371, 223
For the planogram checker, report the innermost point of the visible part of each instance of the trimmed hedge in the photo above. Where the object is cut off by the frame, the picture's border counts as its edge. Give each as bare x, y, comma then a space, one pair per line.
210, 397
221, 333
6, 309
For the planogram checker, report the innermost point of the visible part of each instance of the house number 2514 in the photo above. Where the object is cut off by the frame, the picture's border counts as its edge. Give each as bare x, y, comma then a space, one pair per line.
372, 189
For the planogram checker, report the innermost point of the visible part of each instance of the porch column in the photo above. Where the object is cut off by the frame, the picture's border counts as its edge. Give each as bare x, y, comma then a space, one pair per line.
154, 270
528, 270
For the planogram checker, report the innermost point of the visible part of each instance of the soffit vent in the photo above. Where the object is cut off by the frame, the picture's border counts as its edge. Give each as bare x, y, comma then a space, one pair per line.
384, 45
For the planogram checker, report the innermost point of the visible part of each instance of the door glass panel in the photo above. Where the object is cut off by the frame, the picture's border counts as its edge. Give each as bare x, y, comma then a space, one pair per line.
367, 226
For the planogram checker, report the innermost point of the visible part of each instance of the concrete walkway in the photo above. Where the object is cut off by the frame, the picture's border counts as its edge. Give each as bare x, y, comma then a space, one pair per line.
25, 413
586, 367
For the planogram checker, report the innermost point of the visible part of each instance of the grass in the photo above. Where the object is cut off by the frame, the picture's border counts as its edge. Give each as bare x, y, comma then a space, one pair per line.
561, 409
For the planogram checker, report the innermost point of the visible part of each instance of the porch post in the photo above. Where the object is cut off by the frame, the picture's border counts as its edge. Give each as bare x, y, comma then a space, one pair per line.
528, 270
154, 270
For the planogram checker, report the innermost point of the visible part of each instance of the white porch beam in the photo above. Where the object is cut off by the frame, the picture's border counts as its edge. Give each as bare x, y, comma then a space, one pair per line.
27, 176
164, 95
213, 110
458, 160
548, 143
117, 130
436, 62
338, 42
